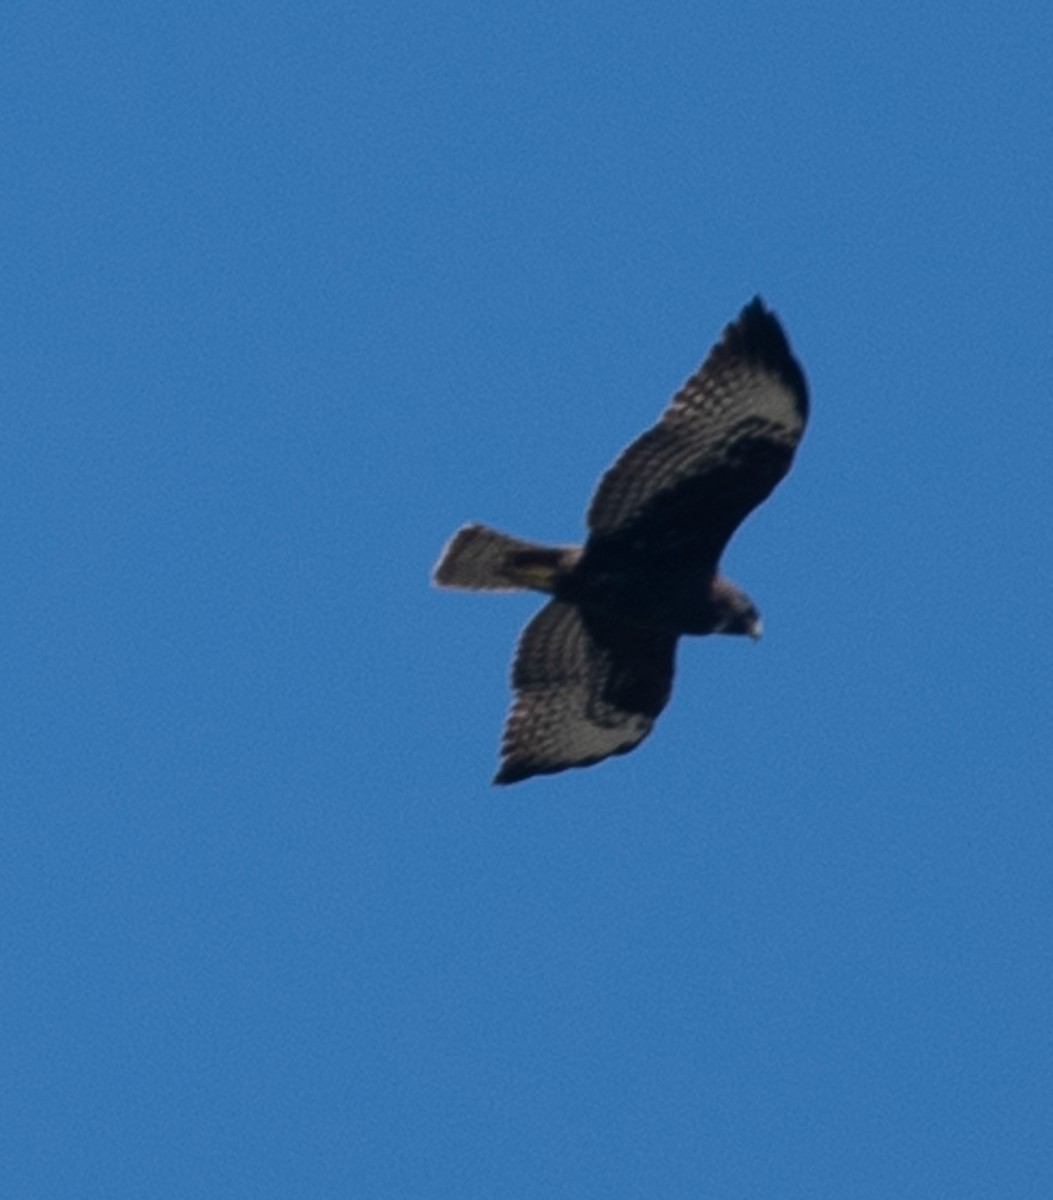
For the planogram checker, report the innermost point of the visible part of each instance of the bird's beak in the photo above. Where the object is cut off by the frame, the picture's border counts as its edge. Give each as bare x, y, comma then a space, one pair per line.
756, 630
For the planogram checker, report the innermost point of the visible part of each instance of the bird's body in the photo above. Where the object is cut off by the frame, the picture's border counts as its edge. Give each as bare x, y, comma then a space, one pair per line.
677, 598
594, 667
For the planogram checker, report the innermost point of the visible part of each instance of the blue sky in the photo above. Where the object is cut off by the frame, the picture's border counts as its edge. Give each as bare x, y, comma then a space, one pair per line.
292, 291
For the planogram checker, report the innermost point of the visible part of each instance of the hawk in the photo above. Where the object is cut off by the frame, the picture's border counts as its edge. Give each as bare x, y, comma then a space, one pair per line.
594, 667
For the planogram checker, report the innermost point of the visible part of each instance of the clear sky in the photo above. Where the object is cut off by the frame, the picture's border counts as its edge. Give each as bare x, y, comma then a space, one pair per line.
291, 291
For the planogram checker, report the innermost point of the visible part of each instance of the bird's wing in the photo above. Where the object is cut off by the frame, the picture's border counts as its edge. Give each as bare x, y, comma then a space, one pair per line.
586, 687
718, 450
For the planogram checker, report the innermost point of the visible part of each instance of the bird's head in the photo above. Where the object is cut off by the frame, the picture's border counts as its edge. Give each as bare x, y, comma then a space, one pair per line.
735, 611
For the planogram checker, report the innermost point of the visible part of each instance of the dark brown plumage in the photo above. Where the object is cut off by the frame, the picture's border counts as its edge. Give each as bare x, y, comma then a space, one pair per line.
594, 668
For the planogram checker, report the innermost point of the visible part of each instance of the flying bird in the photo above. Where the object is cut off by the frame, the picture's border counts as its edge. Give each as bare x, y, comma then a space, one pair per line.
594, 667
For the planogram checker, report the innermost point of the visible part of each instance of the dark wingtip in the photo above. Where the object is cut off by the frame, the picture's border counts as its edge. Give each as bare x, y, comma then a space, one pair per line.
511, 772
757, 336
515, 771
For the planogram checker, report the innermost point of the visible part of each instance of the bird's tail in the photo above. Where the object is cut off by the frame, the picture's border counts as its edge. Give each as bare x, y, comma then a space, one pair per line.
484, 559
